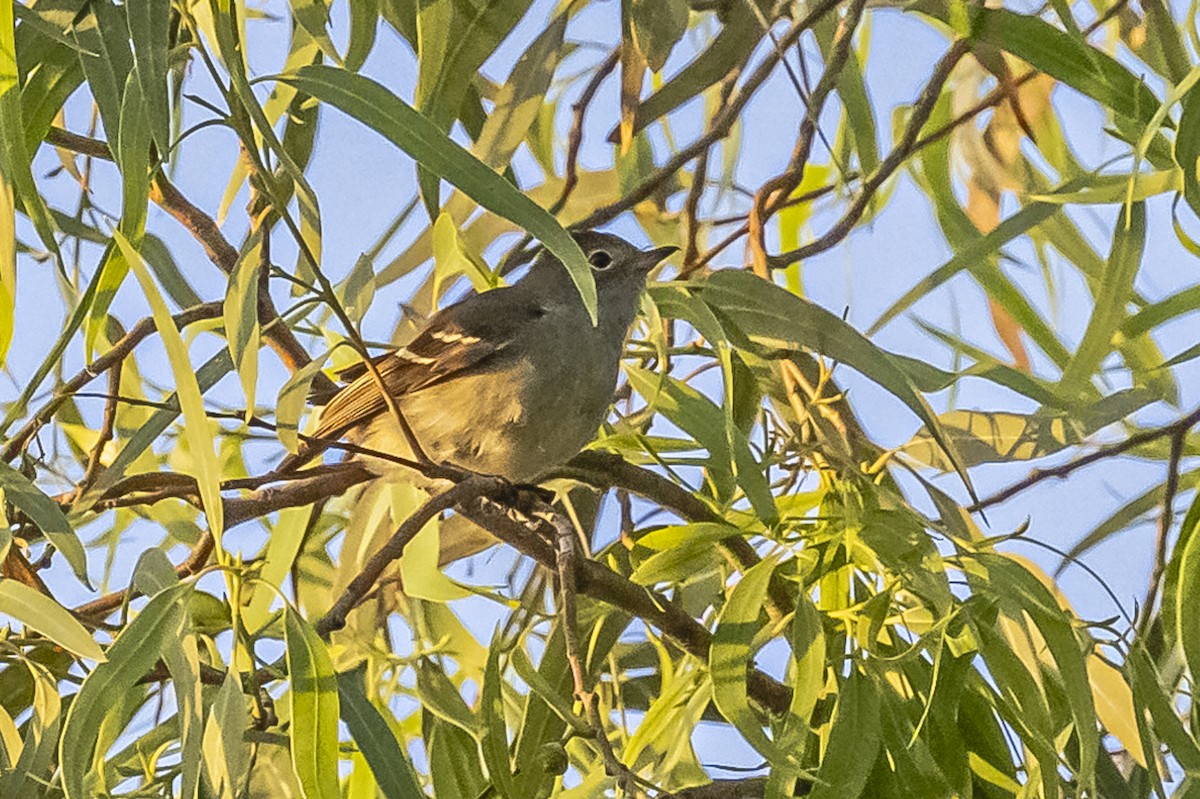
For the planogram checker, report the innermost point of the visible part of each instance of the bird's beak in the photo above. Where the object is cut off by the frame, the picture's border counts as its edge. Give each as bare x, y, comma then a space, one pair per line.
652, 258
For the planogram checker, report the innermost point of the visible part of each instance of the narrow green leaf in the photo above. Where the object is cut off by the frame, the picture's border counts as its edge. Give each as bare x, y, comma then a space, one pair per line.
242, 329
1020, 223
854, 740
183, 664
47, 515
453, 41
313, 16
8, 266
521, 98
88, 731
9, 79
292, 398
195, 421
1187, 629
41, 738
149, 29
105, 32
16, 170
1151, 695
374, 105
282, 548
728, 52
658, 25
39, 612
293, 182
454, 766
1187, 148
730, 655
807, 681
1172, 599
364, 23
394, 773
226, 753
697, 415
133, 156
1112, 300
357, 291
314, 709
1024, 595
494, 740
440, 697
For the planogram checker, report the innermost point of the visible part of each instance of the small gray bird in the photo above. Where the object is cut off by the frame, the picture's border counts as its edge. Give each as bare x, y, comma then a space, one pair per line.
511, 382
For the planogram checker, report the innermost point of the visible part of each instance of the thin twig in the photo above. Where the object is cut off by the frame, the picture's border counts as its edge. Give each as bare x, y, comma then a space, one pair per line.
238, 510
119, 351
473, 487
206, 231
575, 138
1166, 518
722, 123
778, 189
1178, 427
107, 428
921, 111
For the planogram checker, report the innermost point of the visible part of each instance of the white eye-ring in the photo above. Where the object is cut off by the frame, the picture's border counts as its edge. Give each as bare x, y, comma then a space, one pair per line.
599, 259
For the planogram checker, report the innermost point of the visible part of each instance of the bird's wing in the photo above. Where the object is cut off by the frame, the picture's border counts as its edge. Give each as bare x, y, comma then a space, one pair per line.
456, 339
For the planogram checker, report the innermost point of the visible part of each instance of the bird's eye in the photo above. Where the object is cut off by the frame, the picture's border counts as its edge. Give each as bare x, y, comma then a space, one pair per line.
599, 259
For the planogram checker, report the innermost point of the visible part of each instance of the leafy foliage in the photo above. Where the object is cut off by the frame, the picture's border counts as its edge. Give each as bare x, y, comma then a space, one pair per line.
734, 548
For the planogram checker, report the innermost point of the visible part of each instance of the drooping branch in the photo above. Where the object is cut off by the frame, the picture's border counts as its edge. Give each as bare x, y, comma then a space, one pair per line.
604, 470
364, 581
532, 537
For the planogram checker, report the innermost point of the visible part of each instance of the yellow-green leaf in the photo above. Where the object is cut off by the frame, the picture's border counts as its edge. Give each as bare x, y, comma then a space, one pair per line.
206, 467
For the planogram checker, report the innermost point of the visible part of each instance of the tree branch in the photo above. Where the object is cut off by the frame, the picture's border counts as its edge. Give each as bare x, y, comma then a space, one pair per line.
1178, 427
908, 144
718, 129
471, 488
296, 493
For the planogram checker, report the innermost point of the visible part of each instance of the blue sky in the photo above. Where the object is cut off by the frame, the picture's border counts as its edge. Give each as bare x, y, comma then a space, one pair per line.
362, 182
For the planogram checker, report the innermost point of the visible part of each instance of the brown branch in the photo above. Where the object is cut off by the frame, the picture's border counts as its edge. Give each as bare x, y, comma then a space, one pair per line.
119, 351
531, 538
1165, 519
206, 231
779, 188
565, 566
748, 788
1179, 427
575, 138
719, 128
471, 488
604, 470
330, 482
910, 143
921, 111
107, 428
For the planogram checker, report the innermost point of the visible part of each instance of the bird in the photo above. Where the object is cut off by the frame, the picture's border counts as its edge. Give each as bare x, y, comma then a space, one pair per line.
510, 382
